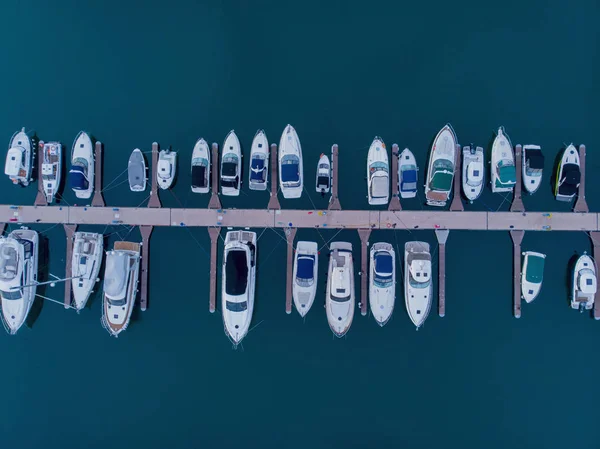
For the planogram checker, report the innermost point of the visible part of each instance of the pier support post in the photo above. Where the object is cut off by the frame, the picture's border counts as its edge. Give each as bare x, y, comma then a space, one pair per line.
40, 198
334, 201
395, 201
457, 204
145, 231
215, 202
442, 237
98, 200
517, 238
290, 234
595, 236
274, 201
581, 204
214, 239
517, 203
69, 231
154, 199
364, 235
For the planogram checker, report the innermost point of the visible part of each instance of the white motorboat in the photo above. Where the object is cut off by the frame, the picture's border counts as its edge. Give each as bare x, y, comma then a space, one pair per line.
382, 282
136, 171
323, 182
503, 164
86, 260
533, 166
532, 275
568, 175
18, 276
339, 299
259, 162
417, 281
121, 277
51, 169
19, 159
584, 284
378, 173
472, 172
81, 175
407, 174
201, 167
238, 284
440, 172
231, 165
291, 178
306, 264
166, 168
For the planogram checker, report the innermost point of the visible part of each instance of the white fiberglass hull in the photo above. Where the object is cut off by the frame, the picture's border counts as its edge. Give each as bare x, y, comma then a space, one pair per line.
83, 149
406, 162
51, 169
378, 173
19, 159
529, 290
443, 151
259, 154
579, 299
201, 157
473, 178
231, 182
136, 171
324, 172
304, 290
531, 183
502, 151
340, 278
382, 288
290, 148
569, 156
417, 296
86, 261
166, 170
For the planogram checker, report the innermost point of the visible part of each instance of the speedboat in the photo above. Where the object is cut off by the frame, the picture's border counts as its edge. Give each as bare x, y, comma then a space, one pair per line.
166, 168
378, 173
382, 282
18, 276
417, 281
201, 167
472, 172
568, 175
231, 165
121, 277
291, 179
85, 265
407, 174
237, 286
440, 172
81, 175
259, 162
339, 299
532, 275
51, 169
306, 264
533, 165
323, 183
585, 283
136, 171
19, 160
503, 164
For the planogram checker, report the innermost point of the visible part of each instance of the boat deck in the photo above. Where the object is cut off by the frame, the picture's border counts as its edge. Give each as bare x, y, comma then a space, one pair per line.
127, 246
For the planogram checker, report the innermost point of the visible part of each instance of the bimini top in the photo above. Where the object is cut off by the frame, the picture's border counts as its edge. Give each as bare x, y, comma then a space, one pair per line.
443, 172
236, 272
379, 186
506, 172
199, 176
9, 262
289, 169
535, 269
257, 168
571, 174
409, 179
535, 158
586, 281
78, 178
229, 166
383, 266
115, 278
306, 264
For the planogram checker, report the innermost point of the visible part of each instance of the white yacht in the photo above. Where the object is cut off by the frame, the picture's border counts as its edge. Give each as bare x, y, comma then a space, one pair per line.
503, 164
166, 168
238, 283
339, 299
121, 277
201, 167
86, 260
533, 165
306, 264
417, 281
18, 276
81, 175
51, 169
440, 172
568, 175
19, 159
291, 178
584, 284
382, 282
472, 172
259, 162
532, 275
323, 182
231, 166
136, 171
407, 174
378, 173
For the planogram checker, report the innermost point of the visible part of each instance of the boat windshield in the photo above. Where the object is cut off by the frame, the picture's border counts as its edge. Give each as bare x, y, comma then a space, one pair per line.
117, 302
336, 298
233, 183
236, 272
305, 271
416, 284
236, 306
12, 294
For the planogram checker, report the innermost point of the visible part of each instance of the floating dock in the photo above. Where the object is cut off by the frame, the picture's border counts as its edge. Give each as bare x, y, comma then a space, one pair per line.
364, 235
274, 201
517, 203
290, 234
98, 199
214, 239
69, 231
457, 205
146, 231
154, 199
395, 201
334, 201
581, 204
215, 202
40, 198
517, 238
442, 237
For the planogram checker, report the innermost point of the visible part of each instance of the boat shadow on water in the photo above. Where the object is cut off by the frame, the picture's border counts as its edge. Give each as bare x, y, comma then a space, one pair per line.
42, 276
555, 164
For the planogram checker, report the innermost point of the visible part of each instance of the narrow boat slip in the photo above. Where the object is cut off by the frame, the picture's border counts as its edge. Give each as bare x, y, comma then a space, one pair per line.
305, 275
231, 165
473, 173
382, 282
291, 177
81, 175
440, 172
568, 175
86, 260
339, 300
167, 169
407, 174
51, 169
532, 275
417, 281
503, 173
201, 167
259, 162
19, 159
378, 173
584, 283
136, 171
323, 178
533, 166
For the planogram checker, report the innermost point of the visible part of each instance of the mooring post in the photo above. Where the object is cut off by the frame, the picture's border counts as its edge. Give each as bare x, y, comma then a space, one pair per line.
274, 201
364, 235
290, 234
395, 201
442, 237
154, 199
457, 204
215, 202
334, 201
517, 238
98, 199
581, 204
69, 231
517, 203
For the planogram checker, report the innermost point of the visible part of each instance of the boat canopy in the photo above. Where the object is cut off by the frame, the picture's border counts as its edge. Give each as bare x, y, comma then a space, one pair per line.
257, 169
571, 176
475, 173
535, 159
443, 172
229, 168
290, 168
383, 263
586, 281
78, 179
380, 186
236, 272
199, 176
9, 262
136, 169
535, 269
164, 169
409, 179
115, 277
306, 264
507, 175
323, 182
14, 161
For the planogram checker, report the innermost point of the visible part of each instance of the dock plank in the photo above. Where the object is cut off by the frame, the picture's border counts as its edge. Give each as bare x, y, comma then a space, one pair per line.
154, 200
98, 199
581, 203
214, 240
542, 221
334, 201
290, 234
146, 231
252, 218
457, 204
517, 202
273, 200
433, 220
40, 198
350, 219
215, 202
442, 237
120, 215
517, 238
395, 201
364, 235
69, 231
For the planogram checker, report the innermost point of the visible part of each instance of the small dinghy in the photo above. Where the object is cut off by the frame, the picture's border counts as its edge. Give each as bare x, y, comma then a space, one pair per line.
585, 283
306, 268
568, 175
532, 275
472, 172
504, 176
85, 266
323, 183
201, 167
51, 169
407, 174
382, 282
378, 173
259, 162
440, 172
231, 166
136, 171
533, 165
166, 168
81, 175
19, 160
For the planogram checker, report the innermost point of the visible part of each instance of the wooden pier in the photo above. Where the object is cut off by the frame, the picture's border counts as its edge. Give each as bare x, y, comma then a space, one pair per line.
290, 234
364, 235
517, 203
146, 231
442, 237
517, 238
40, 198
274, 201
154, 199
395, 201
98, 199
215, 202
595, 237
581, 204
69, 231
457, 205
334, 201
214, 239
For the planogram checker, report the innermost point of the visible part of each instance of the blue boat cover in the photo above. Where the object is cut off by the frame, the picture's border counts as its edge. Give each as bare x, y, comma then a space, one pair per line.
257, 170
289, 172
305, 267
383, 263
78, 179
409, 176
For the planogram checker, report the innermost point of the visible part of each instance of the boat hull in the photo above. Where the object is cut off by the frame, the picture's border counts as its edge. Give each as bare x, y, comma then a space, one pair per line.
84, 149
324, 172
19, 159
200, 153
167, 169
418, 299
51, 169
136, 171
86, 261
529, 290
531, 183
378, 173
259, 153
340, 313
302, 293
584, 262
569, 156
441, 164
502, 151
407, 162
289, 147
472, 163
231, 184
382, 297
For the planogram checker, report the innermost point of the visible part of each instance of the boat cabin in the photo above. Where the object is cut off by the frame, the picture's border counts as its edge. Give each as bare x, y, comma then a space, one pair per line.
200, 173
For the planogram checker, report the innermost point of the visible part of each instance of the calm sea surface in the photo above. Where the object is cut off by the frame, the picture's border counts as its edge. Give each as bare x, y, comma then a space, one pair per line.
132, 73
